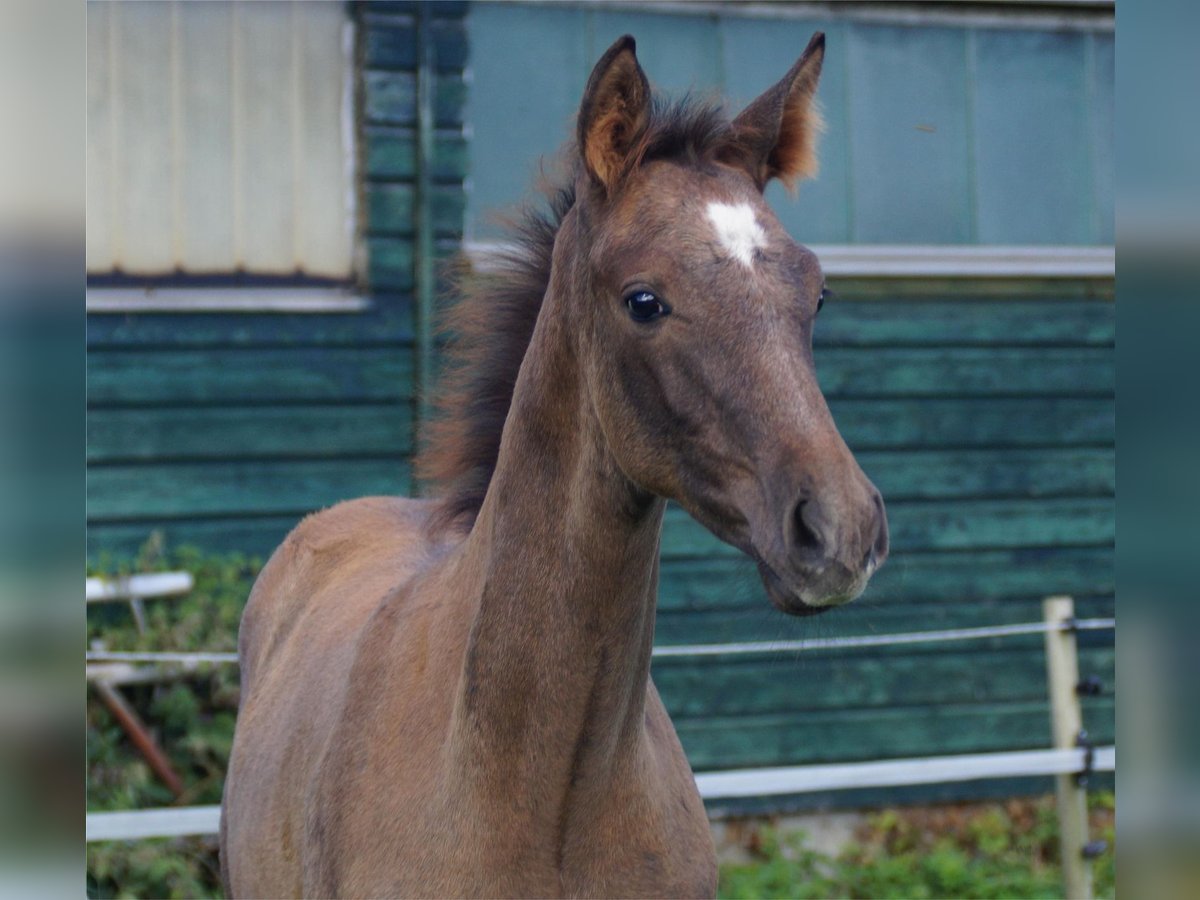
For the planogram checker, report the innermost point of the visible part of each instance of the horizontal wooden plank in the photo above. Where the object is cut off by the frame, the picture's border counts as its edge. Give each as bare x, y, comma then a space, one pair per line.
392, 44
251, 536
126, 435
965, 322
390, 209
959, 371
939, 474
940, 288
838, 682
773, 740
390, 265
755, 619
390, 98
184, 490
908, 577
391, 153
250, 375
389, 320
947, 525
869, 424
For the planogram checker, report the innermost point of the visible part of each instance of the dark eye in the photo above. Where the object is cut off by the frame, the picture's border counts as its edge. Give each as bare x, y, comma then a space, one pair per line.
645, 306
826, 294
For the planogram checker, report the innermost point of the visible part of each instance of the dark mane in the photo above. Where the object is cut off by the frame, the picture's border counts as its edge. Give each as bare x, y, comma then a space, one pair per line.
489, 326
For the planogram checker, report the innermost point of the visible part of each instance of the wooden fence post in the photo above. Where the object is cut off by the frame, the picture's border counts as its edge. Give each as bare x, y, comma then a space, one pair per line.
1066, 722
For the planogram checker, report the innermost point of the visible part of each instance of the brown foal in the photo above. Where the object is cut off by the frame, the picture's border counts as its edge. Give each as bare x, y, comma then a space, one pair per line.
452, 697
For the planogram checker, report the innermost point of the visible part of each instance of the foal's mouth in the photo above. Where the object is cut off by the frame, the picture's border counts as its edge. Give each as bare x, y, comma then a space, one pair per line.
789, 600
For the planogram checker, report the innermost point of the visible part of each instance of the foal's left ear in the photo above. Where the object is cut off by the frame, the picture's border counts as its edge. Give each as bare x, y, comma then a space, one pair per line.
776, 135
614, 113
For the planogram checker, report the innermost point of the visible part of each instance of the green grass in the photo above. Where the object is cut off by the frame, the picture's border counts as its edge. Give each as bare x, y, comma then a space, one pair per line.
995, 850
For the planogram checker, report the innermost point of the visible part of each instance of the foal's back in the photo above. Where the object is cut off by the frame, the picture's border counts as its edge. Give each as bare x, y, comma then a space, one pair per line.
331, 592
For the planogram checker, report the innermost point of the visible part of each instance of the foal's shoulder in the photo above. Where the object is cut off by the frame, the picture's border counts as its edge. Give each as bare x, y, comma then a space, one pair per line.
358, 548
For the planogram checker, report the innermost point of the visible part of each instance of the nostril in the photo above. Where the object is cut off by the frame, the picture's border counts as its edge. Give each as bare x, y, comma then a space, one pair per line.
880, 547
804, 535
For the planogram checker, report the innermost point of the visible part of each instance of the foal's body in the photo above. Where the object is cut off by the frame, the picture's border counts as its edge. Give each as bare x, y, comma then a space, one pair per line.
454, 698
525, 762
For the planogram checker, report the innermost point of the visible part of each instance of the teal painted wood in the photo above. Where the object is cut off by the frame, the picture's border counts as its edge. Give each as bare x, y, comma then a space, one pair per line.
959, 371
254, 536
754, 57
915, 577
948, 474
759, 621
542, 98
387, 322
390, 209
1032, 83
748, 687
866, 734
332, 431
391, 44
1103, 130
947, 525
391, 154
927, 127
390, 98
909, 143
894, 423
962, 320
682, 53
188, 490
231, 376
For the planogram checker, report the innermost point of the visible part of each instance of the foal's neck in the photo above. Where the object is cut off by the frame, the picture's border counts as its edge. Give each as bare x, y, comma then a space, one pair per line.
557, 665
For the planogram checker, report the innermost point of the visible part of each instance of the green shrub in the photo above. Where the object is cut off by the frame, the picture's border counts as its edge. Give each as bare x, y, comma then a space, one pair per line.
994, 850
192, 717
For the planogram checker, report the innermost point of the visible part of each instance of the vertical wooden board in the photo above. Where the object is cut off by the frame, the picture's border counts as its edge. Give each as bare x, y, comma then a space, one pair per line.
206, 127
907, 99
143, 146
264, 189
98, 165
1033, 173
754, 58
323, 182
529, 67
1103, 134
680, 53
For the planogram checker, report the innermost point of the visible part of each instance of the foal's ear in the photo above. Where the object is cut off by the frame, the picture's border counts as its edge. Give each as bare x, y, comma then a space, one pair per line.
776, 135
614, 112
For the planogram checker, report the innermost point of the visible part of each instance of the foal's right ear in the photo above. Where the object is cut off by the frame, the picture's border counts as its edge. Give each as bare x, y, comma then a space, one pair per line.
614, 112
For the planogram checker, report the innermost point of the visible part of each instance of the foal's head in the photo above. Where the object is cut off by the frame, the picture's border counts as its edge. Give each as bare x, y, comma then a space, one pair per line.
695, 310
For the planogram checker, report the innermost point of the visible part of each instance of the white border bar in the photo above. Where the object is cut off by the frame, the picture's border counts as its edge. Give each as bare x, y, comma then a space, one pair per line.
899, 772
921, 261
202, 820
138, 587
224, 300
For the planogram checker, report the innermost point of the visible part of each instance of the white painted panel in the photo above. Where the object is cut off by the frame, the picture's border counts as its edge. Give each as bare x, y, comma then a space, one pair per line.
142, 225
99, 160
324, 241
218, 139
264, 101
205, 190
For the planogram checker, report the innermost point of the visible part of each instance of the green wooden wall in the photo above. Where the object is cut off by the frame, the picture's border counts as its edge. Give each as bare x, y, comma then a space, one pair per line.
936, 134
984, 412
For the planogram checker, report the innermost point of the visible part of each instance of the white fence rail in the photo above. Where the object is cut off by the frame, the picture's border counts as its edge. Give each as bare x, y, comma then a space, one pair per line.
204, 820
